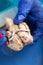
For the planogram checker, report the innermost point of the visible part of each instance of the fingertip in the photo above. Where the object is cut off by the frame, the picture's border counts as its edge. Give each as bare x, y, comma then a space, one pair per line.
3, 32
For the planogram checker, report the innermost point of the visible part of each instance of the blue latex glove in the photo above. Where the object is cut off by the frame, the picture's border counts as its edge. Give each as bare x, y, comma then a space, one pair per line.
32, 10
3, 39
23, 9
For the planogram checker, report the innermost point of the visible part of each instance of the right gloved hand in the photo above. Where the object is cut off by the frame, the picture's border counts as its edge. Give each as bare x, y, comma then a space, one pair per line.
3, 39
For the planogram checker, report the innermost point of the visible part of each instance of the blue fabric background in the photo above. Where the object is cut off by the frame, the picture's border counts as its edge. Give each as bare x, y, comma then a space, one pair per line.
30, 55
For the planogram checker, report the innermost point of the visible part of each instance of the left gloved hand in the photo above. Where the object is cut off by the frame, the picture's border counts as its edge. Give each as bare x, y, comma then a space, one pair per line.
3, 39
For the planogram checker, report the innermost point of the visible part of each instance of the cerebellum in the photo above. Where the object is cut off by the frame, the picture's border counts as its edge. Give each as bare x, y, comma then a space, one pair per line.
18, 35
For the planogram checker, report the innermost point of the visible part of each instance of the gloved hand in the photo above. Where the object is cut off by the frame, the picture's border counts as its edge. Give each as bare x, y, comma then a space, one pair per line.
3, 39
32, 13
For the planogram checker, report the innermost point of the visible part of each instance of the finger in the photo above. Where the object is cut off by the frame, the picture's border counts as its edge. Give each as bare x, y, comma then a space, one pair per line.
3, 32
3, 41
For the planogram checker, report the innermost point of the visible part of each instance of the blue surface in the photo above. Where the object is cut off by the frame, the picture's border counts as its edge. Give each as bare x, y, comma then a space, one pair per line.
30, 55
